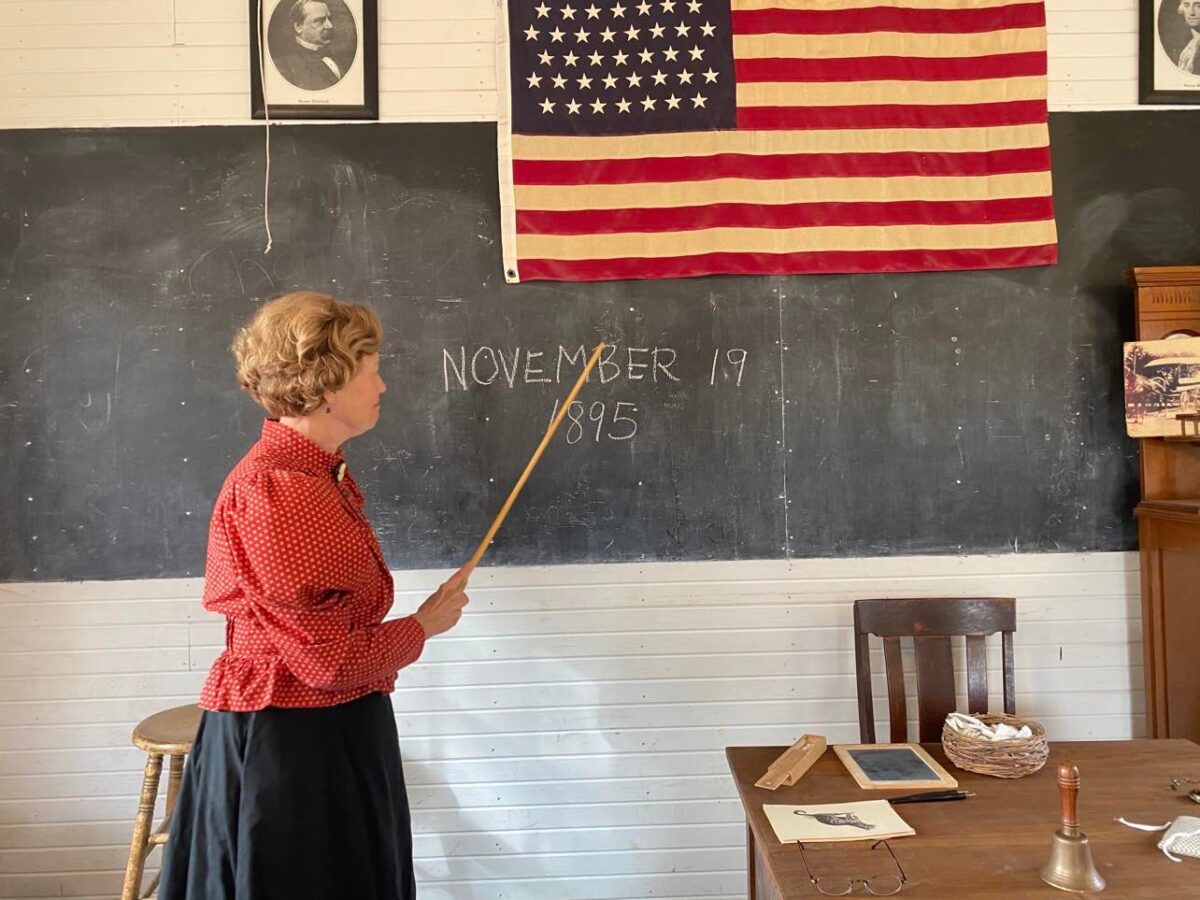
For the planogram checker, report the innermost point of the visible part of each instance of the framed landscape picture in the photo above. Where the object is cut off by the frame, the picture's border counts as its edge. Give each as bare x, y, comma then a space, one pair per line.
319, 59
1169, 51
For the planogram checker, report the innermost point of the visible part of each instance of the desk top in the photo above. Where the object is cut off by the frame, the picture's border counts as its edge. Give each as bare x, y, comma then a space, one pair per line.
993, 844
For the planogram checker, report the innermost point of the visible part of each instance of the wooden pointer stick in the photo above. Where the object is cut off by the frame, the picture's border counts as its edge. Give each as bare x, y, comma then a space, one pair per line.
537, 454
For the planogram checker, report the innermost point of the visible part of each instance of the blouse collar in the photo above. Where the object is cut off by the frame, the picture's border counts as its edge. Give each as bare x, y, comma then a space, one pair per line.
298, 449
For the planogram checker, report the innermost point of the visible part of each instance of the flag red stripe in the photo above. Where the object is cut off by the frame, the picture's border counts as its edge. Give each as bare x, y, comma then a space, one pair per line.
786, 263
662, 170
888, 18
893, 68
787, 215
968, 115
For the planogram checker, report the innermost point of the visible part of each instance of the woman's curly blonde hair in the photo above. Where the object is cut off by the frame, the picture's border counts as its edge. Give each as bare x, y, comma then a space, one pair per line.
300, 346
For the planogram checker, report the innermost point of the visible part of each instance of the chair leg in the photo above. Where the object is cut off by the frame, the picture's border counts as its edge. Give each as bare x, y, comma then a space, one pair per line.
139, 844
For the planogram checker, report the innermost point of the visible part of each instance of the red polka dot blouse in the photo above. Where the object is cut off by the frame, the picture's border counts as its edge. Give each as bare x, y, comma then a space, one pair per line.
294, 566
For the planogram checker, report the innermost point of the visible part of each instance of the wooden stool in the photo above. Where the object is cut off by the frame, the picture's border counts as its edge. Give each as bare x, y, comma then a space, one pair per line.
168, 733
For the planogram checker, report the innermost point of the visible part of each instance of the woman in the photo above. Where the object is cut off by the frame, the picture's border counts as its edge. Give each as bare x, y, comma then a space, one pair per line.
294, 788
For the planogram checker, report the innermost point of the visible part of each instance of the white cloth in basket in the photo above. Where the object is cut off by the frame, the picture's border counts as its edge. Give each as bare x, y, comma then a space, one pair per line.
969, 725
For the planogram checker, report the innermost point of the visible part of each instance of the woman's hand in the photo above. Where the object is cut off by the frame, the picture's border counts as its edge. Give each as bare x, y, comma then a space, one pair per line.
442, 610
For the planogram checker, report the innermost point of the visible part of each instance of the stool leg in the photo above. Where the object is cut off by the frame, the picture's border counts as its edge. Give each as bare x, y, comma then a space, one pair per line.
174, 777
149, 892
138, 846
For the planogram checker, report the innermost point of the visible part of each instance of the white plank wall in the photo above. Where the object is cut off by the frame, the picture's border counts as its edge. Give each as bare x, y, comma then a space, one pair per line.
163, 62
567, 740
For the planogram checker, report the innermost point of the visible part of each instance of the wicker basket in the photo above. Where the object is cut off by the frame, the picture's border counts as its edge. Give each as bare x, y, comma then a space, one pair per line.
1001, 759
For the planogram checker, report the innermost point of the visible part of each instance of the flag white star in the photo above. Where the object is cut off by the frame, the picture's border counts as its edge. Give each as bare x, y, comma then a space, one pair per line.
610, 81
668, 5
547, 106
682, 30
545, 58
593, 11
623, 105
659, 77
646, 55
618, 11
685, 77
698, 101
573, 108
643, 8
648, 104
657, 30
559, 81
708, 28
696, 52
670, 53
694, 6
556, 35
596, 59
535, 80
531, 33
632, 33
570, 59
672, 102
710, 77
598, 107
584, 82
568, 12
542, 11
607, 35
634, 79
619, 59
581, 36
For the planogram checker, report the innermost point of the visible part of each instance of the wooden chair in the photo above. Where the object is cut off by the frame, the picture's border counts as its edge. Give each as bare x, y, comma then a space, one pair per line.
168, 733
931, 623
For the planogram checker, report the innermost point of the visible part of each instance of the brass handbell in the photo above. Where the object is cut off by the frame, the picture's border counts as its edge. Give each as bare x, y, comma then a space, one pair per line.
1071, 867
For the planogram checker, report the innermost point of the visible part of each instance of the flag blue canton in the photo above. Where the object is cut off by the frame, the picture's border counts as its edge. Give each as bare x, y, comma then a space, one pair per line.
620, 67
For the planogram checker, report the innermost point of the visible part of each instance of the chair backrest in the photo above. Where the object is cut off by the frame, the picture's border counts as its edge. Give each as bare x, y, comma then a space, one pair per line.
931, 623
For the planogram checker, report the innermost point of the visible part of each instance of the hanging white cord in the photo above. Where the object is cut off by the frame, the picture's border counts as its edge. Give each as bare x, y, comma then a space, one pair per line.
1165, 844
262, 77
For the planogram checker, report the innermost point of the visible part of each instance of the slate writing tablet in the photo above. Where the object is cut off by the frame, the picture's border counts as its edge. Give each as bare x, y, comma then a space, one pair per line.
884, 766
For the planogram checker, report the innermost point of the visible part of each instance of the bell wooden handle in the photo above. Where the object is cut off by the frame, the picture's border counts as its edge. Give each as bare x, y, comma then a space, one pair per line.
1068, 793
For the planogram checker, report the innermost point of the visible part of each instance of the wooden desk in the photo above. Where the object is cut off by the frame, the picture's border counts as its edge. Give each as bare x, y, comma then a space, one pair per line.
993, 844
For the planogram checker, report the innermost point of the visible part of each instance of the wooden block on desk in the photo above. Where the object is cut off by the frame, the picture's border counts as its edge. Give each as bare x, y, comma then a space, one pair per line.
793, 762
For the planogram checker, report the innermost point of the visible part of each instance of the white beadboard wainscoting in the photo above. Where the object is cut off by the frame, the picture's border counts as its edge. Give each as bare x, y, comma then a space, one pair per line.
170, 62
566, 740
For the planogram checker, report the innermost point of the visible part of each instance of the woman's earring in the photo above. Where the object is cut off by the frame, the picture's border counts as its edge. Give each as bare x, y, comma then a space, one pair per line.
328, 410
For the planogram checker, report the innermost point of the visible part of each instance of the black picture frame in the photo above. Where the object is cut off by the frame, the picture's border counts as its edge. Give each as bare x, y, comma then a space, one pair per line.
1162, 35
335, 75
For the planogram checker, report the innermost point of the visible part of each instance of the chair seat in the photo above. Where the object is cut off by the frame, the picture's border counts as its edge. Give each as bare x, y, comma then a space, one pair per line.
171, 731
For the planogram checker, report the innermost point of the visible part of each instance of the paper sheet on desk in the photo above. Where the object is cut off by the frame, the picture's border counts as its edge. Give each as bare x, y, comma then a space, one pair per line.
816, 822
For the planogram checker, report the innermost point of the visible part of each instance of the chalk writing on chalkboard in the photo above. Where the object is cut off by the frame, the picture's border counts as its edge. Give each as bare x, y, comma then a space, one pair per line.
470, 368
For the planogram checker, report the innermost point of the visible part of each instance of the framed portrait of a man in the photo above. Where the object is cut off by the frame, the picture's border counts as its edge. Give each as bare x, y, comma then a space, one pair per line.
314, 59
1169, 51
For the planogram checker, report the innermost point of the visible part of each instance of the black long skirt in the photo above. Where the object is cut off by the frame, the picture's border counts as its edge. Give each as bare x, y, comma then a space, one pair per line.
283, 804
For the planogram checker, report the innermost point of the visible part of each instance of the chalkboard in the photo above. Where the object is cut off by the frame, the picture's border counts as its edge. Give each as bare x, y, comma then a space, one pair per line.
735, 418
892, 764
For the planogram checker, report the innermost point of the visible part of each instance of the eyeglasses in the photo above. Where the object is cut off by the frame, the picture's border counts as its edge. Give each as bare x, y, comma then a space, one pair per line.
839, 886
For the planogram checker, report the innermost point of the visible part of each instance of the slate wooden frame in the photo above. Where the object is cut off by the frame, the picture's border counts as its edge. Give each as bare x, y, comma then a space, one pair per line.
366, 104
1149, 41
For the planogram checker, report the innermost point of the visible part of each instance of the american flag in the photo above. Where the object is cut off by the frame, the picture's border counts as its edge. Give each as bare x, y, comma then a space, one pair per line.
697, 137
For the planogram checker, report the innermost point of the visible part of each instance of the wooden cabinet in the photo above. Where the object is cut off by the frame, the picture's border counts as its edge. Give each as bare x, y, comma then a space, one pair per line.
1168, 303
